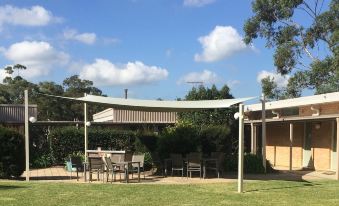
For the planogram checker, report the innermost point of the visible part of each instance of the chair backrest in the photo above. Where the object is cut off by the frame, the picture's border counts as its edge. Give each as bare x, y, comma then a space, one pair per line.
194, 159
108, 163
177, 160
76, 161
128, 157
95, 162
138, 158
115, 158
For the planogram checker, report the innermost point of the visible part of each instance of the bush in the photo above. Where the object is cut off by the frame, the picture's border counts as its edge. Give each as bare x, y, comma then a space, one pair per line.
40, 150
146, 143
215, 139
252, 164
68, 140
180, 139
12, 153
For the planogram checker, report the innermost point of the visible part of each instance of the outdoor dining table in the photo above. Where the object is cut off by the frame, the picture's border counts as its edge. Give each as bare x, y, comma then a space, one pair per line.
125, 164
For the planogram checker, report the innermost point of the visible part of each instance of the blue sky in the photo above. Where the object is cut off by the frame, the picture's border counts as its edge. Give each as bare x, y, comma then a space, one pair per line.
151, 47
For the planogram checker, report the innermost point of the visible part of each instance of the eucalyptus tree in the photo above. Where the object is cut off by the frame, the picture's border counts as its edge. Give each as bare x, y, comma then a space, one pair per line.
299, 31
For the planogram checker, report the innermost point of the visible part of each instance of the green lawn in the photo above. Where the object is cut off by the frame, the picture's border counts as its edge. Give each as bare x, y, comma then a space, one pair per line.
257, 193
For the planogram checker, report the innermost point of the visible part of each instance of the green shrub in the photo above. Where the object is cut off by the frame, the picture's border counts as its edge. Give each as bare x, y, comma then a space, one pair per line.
215, 138
68, 140
252, 164
43, 160
180, 139
12, 153
40, 150
146, 143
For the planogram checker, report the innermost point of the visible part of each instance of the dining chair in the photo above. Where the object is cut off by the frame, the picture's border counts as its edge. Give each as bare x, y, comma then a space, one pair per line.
96, 164
177, 163
138, 158
194, 163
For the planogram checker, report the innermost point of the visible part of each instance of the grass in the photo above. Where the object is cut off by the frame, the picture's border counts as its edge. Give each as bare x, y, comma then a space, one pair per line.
271, 192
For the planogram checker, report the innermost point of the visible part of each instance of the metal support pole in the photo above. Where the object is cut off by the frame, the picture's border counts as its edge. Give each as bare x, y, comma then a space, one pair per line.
263, 119
337, 149
291, 145
85, 129
26, 135
241, 149
252, 139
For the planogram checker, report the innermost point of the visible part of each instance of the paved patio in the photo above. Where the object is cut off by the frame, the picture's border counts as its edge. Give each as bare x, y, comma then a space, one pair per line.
58, 173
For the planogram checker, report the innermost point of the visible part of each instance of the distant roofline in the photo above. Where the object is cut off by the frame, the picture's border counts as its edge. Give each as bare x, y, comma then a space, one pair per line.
17, 105
296, 102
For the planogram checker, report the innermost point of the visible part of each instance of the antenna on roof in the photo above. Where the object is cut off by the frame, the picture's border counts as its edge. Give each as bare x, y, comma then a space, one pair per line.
196, 83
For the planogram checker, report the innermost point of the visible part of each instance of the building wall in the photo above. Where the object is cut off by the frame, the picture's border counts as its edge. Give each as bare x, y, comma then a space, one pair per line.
321, 145
278, 138
330, 108
278, 144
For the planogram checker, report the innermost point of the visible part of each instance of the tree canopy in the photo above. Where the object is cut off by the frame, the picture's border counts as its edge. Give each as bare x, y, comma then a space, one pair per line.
11, 92
299, 45
209, 117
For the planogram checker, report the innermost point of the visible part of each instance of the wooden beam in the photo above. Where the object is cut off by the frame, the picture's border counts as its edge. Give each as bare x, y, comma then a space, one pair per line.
26, 135
291, 145
241, 149
298, 118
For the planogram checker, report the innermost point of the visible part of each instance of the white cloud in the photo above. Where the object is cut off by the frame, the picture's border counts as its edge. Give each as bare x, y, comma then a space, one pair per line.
281, 80
222, 42
206, 77
233, 83
3, 75
104, 73
110, 40
197, 3
39, 57
86, 38
34, 16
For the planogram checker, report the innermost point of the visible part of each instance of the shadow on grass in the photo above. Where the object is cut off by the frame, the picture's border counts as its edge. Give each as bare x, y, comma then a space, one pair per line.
10, 187
308, 184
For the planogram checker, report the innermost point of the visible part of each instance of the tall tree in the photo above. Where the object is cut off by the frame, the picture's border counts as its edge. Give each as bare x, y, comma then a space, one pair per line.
76, 87
297, 43
209, 117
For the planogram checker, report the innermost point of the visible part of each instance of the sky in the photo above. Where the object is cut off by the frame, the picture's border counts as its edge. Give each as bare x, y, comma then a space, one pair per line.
152, 47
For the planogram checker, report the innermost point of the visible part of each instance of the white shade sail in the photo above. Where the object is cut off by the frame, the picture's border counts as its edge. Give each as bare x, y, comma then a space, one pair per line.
158, 106
164, 106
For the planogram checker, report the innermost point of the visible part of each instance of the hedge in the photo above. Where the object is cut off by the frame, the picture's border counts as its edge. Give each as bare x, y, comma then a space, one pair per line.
252, 164
12, 153
69, 140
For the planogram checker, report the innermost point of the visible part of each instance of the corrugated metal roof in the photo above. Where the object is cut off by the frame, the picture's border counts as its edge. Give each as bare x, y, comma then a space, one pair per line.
130, 116
15, 113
